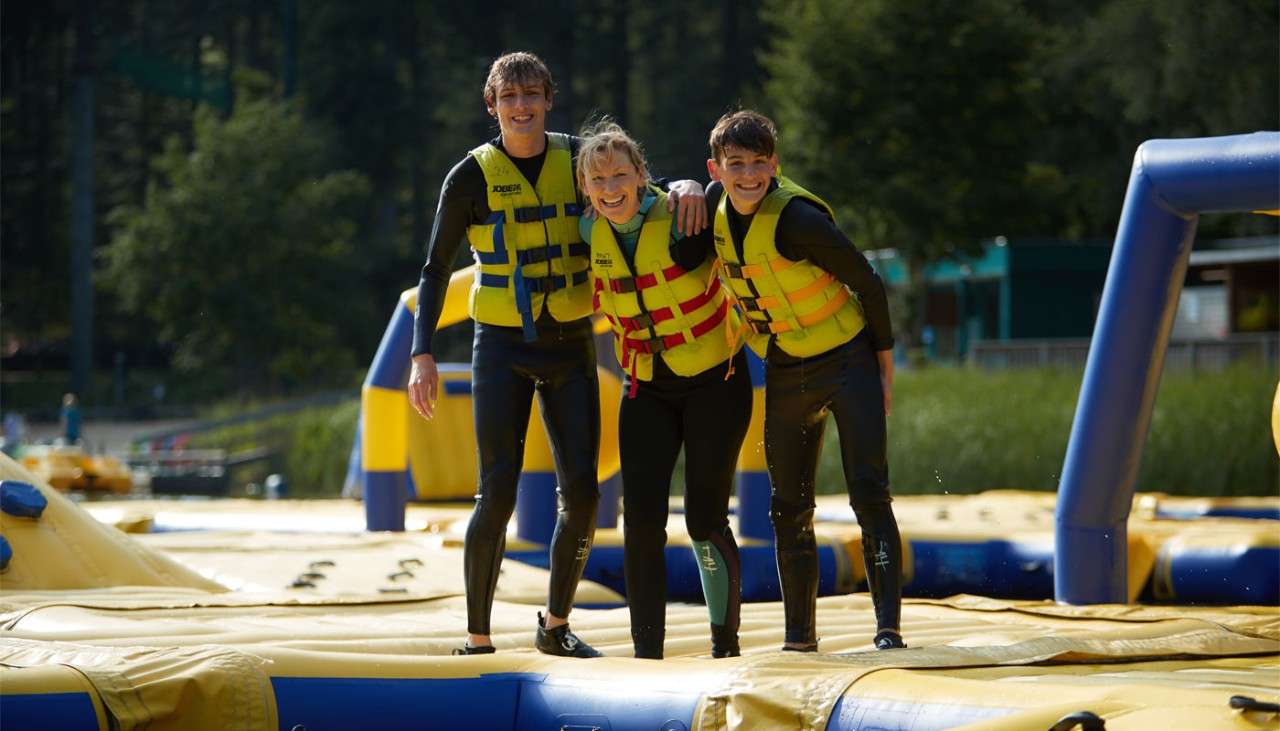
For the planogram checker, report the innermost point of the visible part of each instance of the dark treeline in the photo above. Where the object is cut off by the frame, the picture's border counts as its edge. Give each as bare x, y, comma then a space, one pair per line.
265, 173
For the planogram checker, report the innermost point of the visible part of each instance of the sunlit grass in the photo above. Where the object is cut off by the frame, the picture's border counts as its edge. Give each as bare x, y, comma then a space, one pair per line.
958, 430
953, 430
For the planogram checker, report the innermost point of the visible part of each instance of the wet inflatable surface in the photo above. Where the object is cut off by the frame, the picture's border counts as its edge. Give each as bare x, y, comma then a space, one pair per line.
288, 629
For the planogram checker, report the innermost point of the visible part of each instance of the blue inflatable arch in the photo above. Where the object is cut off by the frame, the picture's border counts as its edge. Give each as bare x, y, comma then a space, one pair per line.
1172, 183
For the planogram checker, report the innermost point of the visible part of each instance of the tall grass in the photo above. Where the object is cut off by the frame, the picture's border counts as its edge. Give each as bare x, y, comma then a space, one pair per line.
958, 430
953, 430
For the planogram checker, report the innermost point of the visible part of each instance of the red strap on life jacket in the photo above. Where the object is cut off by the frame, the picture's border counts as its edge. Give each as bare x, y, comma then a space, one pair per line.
645, 281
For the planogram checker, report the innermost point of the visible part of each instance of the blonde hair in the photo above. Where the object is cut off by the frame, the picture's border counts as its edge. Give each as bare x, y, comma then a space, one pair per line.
602, 140
517, 68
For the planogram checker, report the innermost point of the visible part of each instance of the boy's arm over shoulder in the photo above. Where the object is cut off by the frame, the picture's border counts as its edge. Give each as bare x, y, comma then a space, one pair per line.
462, 188
690, 251
806, 232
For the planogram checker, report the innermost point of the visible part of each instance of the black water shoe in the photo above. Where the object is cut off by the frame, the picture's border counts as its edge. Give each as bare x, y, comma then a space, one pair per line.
561, 642
724, 641
889, 640
807, 648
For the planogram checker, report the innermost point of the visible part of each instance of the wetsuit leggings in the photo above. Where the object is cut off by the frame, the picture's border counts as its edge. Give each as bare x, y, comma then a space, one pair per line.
707, 416
506, 371
799, 393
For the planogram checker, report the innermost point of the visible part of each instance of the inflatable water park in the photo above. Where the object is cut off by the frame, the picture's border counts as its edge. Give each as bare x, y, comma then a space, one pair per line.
1095, 608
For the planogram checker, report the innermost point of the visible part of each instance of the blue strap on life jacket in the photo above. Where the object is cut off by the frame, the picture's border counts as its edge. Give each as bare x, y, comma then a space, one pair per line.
536, 285
526, 286
524, 304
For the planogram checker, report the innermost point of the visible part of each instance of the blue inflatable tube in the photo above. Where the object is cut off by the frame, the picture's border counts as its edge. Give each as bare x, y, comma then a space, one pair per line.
996, 568
43, 711
493, 701
1172, 182
759, 570
1212, 575
1219, 511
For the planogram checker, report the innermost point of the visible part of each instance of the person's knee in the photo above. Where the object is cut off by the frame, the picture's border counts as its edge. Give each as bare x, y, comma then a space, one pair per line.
875, 516
490, 517
701, 526
580, 503
869, 486
643, 522
792, 521
498, 480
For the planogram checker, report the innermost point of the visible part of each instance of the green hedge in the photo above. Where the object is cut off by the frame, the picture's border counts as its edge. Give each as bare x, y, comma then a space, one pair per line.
312, 447
959, 430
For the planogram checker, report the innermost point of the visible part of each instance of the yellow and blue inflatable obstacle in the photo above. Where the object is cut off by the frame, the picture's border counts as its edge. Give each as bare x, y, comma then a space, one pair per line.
403, 457
985, 663
1001, 544
102, 630
1166, 507
49, 697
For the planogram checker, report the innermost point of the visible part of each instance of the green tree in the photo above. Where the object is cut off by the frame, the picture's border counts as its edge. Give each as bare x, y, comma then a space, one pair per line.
912, 118
1121, 72
242, 256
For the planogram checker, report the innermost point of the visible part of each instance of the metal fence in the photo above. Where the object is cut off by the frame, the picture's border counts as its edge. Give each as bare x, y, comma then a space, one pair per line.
1199, 354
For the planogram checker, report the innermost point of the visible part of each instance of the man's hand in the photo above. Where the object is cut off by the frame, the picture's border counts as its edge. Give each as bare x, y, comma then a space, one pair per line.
886, 378
688, 196
424, 380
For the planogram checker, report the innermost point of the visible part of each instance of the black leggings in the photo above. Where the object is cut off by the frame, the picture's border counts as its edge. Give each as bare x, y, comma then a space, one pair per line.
561, 366
799, 393
708, 416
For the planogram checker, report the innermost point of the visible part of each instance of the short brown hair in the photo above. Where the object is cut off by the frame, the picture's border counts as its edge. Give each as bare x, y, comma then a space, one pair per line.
517, 68
603, 139
746, 129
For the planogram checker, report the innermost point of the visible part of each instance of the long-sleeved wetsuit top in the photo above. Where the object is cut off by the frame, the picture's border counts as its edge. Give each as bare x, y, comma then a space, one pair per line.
464, 202
806, 232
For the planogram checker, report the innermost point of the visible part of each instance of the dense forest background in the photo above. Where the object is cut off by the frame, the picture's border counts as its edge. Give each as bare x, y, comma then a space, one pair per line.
258, 179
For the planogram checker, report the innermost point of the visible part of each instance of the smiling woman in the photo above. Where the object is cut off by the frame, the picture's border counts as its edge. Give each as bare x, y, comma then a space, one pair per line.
612, 171
671, 326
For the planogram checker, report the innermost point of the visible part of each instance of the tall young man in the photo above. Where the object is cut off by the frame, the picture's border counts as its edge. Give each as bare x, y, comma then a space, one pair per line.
816, 311
515, 202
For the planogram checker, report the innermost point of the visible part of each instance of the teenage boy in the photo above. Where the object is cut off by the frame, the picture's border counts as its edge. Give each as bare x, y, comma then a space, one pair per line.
816, 311
514, 200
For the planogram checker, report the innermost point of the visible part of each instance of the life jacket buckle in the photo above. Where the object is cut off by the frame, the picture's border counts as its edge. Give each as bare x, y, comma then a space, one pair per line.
643, 321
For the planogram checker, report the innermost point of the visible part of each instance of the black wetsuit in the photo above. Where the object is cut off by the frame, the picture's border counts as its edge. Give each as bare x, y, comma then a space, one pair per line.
560, 366
707, 416
799, 393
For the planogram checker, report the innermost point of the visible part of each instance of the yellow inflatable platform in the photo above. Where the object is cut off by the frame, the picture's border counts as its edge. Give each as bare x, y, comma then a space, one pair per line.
260, 630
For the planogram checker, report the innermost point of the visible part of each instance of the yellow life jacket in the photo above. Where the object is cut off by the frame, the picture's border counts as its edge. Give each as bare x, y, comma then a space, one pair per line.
802, 305
658, 307
528, 252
